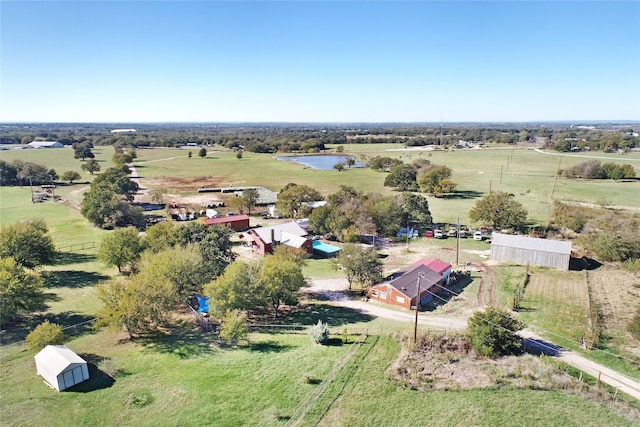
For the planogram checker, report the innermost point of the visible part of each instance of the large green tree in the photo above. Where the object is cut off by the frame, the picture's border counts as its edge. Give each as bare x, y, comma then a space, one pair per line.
500, 210
181, 266
121, 248
402, 177
107, 204
20, 290
493, 332
92, 166
281, 279
293, 198
28, 243
137, 304
435, 180
360, 265
237, 288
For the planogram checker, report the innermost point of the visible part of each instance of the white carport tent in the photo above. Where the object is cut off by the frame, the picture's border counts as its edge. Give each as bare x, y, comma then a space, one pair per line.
60, 367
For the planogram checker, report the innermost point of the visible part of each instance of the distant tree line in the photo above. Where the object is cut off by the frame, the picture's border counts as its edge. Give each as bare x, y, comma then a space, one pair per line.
264, 138
593, 169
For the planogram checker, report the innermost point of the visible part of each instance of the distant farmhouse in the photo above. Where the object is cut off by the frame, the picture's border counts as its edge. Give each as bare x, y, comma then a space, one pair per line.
45, 144
263, 239
531, 251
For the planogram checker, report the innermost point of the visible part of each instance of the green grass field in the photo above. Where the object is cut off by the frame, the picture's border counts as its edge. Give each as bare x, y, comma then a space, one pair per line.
185, 380
182, 380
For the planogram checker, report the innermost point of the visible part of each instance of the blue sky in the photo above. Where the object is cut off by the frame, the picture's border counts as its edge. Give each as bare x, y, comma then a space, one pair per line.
153, 61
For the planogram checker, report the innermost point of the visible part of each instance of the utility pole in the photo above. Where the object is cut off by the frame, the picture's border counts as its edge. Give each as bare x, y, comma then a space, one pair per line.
31, 188
458, 243
415, 326
501, 170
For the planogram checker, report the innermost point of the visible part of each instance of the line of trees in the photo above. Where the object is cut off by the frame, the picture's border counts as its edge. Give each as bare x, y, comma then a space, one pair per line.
24, 246
164, 268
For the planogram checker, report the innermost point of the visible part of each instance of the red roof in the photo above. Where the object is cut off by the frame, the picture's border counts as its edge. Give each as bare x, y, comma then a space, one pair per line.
434, 264
226, 219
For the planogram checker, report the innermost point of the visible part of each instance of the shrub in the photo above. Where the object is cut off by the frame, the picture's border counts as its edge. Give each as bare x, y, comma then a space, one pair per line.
43, 335
319, 333
493, 332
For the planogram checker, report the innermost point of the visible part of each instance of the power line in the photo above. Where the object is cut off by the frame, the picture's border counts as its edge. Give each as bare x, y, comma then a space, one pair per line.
551, 333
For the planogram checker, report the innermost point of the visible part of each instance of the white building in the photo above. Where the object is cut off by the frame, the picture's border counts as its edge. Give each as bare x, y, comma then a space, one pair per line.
45, 144
60, 367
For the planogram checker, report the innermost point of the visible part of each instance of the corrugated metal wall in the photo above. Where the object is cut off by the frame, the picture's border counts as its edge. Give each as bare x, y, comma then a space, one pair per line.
531, 257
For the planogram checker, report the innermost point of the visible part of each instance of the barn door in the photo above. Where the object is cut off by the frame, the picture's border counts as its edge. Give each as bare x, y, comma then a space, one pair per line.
67, 379
77, 375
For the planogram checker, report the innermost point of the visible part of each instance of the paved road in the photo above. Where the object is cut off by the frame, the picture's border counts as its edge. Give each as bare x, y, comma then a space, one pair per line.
333, 289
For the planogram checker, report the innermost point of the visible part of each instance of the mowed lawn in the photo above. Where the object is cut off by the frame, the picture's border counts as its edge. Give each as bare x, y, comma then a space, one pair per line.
186, 381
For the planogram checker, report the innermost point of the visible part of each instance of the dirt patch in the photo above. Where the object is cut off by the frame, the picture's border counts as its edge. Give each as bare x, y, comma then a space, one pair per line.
175, 184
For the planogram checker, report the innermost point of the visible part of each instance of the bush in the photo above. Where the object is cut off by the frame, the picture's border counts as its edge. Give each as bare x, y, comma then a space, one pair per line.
493, 332
234, 326
319, 333
43, 335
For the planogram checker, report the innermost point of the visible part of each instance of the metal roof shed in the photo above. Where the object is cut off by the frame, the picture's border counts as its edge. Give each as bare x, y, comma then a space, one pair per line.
60, 367
532, 251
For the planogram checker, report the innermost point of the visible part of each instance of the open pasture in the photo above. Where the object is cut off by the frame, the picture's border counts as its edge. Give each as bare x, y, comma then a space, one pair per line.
528, 174
558, 302
186, 379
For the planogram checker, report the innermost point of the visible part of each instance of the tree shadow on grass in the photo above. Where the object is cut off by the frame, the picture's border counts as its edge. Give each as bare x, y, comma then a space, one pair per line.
182, 339
268, 347
309, 314
467, 194
71, 279
67, 258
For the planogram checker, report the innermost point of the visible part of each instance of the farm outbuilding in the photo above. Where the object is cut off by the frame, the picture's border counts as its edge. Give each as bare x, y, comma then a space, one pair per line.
60, 367
45, 144
234, 222
530, 250
401, 288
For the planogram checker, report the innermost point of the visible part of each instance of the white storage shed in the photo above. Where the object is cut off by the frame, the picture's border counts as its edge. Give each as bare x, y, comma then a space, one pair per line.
60, 367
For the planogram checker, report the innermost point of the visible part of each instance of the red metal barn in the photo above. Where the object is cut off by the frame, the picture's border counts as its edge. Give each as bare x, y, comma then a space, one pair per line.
234, 222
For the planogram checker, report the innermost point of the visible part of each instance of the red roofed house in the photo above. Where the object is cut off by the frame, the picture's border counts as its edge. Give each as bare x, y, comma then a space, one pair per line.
234, 222
437, 265
290, 234
401, 288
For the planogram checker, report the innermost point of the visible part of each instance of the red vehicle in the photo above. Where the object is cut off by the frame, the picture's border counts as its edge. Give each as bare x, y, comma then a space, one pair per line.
428, 233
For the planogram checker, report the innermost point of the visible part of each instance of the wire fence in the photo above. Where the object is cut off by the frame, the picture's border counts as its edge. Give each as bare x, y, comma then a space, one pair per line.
11, 349
299, 413
78, 247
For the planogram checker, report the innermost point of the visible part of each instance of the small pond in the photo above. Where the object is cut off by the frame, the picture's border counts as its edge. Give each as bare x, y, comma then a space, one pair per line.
321, 161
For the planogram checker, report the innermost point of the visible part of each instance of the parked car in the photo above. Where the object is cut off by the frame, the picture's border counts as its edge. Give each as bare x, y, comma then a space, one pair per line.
428, 233
477, 235
438, 234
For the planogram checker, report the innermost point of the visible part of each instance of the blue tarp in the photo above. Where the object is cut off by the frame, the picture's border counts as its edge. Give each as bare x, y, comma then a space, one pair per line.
203, 304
